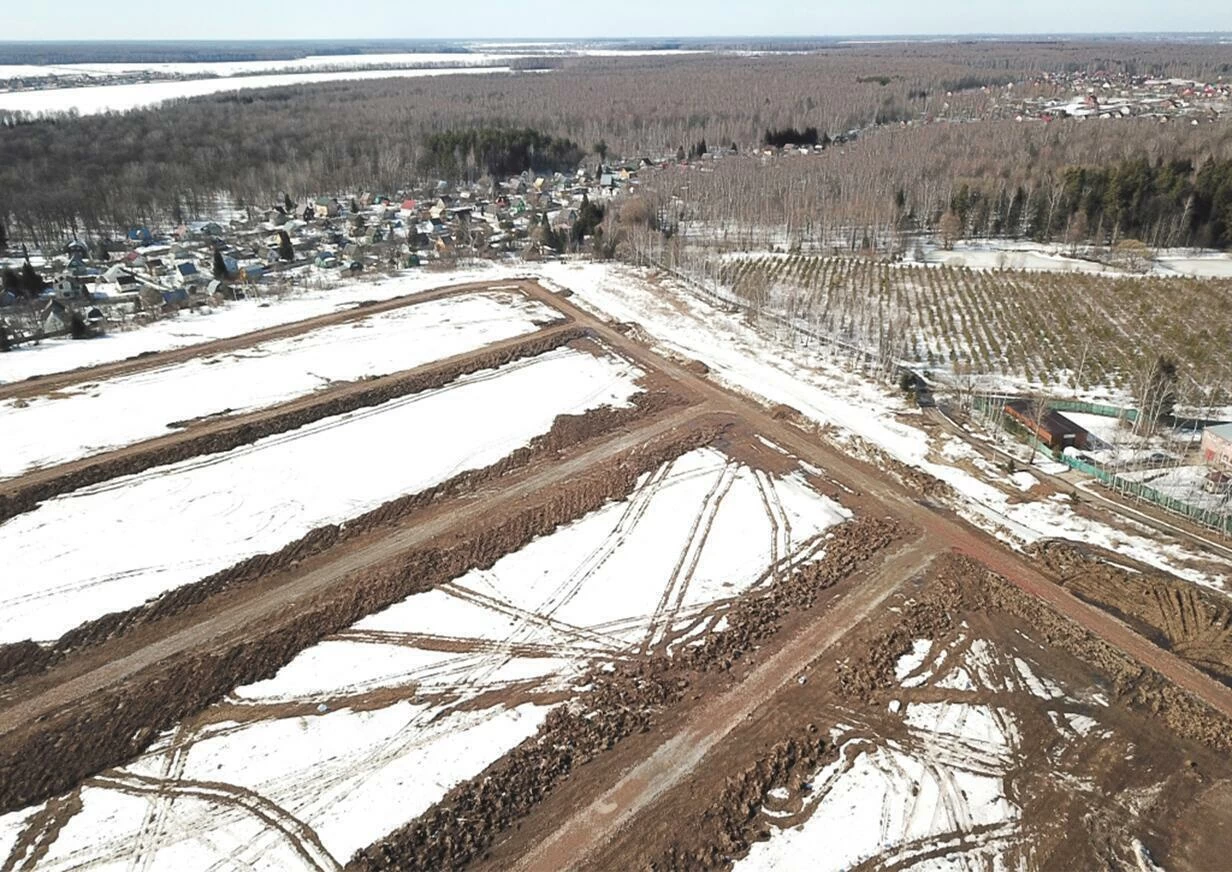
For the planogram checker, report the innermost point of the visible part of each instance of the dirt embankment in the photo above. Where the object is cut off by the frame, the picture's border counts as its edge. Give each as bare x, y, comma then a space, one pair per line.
731, 825
461, 827
1179, 616
50, 757
338, 402
26, 658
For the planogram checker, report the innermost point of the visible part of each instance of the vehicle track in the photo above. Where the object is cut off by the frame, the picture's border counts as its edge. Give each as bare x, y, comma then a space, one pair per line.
571, 845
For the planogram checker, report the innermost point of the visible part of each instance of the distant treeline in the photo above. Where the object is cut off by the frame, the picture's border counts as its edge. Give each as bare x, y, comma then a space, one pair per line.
64, 176
498, 152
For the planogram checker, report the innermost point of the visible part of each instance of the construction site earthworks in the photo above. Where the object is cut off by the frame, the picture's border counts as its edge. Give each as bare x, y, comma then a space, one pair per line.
483, 577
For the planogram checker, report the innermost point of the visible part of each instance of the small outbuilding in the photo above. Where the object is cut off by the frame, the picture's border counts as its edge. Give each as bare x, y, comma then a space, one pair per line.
1048, 425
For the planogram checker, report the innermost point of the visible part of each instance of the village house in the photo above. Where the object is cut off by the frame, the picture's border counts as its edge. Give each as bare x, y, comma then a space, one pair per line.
1217, 446
327, 207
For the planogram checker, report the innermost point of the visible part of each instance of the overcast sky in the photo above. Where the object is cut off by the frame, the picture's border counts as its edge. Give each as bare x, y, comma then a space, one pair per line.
301, 19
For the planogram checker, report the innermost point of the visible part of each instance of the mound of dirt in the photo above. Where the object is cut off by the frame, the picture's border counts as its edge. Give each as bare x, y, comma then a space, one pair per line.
50, 756
20, 659
1193, 623
731, 824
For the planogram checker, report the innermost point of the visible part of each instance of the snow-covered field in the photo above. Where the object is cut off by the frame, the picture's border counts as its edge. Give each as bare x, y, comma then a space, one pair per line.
776, 366
95, 99
299, 771
90, 417
243, 316
927, 787
112, 546
1020, 254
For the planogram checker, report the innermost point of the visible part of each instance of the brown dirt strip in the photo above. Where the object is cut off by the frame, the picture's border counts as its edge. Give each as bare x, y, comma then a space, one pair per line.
622, 715
103, 708
45, 384
218, 435
873, 488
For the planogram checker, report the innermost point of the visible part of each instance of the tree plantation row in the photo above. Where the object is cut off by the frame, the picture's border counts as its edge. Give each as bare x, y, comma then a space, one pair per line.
1072, 331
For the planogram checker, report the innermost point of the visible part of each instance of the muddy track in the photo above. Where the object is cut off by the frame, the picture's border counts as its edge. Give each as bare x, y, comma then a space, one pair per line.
27, 658
25, 493
43, 384
1193, 623
43, 755
459, 828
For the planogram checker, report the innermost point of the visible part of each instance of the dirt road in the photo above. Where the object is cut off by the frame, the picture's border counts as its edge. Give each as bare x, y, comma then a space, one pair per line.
945, 530
251, 617
225, 433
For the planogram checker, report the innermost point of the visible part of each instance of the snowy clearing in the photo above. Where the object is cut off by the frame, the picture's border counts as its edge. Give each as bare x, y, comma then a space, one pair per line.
243, 316
310, 63
300, 767
96, 99
115, 545
91, 417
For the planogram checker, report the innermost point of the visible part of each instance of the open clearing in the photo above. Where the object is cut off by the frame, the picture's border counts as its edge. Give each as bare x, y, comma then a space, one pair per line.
173, 525
94, 99
234, 319
592, 607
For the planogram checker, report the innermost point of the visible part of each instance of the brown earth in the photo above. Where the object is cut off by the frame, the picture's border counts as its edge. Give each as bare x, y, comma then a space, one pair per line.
26, 658
1080, 810
1191, 621
46, 384
622, 702
742, 712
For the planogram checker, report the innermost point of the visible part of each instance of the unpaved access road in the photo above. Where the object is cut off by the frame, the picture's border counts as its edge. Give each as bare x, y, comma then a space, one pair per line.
710, 723
228, 430
944, 529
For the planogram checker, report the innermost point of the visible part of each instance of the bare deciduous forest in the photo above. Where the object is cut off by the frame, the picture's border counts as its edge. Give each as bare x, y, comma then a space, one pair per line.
99, 172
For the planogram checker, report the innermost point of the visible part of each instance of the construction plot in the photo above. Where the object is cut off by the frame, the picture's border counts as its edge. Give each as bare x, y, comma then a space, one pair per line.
112, 546
297, 771
567, 603
89, 417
